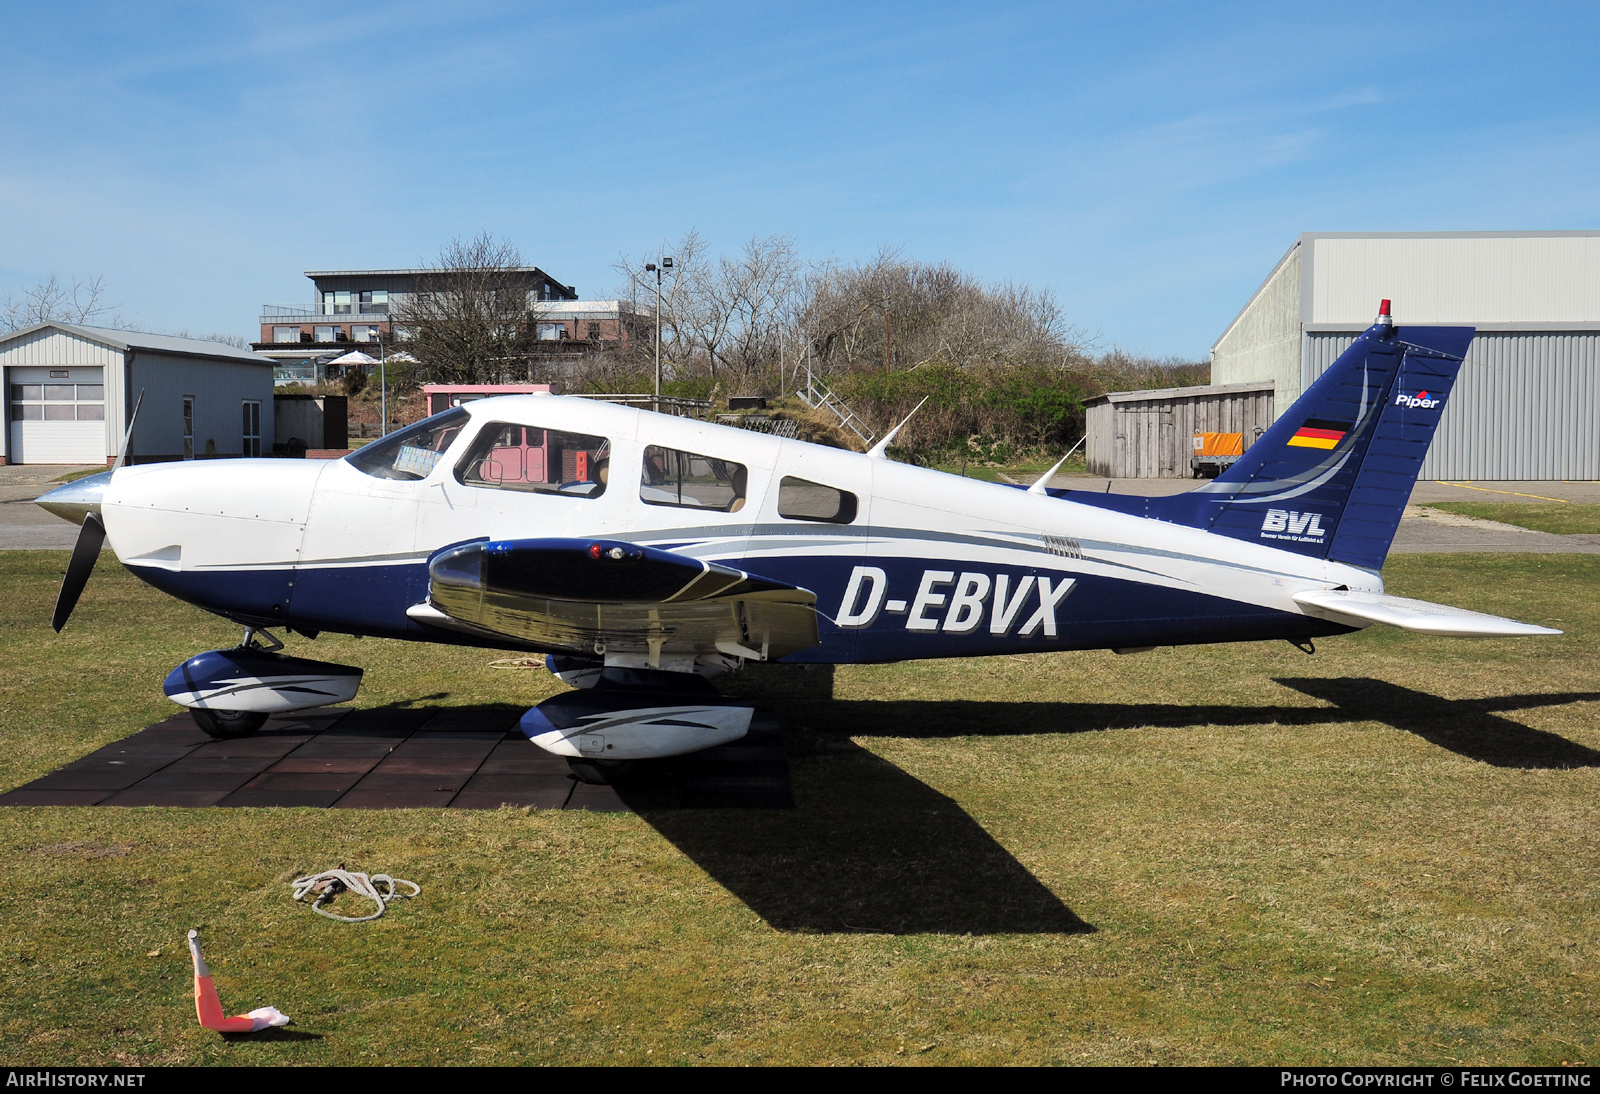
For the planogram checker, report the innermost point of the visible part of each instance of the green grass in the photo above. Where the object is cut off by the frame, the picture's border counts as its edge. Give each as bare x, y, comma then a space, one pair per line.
73, 476
1024, 472
1382, 854
1563, 519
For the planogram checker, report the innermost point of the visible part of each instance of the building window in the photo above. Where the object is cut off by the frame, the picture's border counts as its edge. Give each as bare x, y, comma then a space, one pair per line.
58, 403
286, 334
691, 481
363, 333
252, 427
594, 331
327, 334
550, 332
375, 302
188, 427
545, 461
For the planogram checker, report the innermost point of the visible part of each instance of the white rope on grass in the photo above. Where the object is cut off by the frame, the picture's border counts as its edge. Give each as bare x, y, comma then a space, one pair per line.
330, 883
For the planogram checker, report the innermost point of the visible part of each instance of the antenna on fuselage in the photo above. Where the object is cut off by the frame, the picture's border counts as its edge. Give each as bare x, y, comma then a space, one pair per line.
880, 451
1039, 487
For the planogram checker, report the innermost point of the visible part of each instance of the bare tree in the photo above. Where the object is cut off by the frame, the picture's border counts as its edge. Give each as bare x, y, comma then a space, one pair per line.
681, 289
901, 315
52, 300
467, 320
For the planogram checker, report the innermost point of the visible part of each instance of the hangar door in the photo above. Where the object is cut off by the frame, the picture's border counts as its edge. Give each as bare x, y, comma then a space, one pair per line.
58, 415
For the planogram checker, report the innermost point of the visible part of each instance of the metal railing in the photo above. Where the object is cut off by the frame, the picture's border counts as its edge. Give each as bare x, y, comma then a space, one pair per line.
818, 396
665, 404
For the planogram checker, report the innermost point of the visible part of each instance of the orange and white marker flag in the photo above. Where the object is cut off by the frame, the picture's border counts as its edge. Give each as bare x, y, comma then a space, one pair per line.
209, 1008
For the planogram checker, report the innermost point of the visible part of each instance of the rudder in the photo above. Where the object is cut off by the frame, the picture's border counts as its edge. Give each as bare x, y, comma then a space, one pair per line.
1332, 475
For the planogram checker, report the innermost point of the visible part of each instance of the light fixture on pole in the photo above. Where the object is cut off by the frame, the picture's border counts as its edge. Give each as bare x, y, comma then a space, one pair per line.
383, 384
651, 267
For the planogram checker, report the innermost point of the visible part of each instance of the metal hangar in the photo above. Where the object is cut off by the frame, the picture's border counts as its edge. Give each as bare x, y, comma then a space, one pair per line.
1527, 404
69, 391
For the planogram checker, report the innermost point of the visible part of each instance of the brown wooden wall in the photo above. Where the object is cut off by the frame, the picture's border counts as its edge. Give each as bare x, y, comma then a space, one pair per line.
1130, 437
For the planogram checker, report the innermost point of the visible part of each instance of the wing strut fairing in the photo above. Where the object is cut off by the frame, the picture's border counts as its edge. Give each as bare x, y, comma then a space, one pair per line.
599, 597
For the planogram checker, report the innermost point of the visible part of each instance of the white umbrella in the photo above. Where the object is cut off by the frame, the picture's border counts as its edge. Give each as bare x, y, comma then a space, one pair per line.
354, 357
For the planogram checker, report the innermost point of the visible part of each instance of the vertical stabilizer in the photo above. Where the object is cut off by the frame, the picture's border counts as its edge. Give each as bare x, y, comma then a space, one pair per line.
1333, 473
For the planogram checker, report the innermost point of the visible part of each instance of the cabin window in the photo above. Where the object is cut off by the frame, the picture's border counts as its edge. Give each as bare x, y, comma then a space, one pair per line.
692, 481
799, 499
411, 453
535, 460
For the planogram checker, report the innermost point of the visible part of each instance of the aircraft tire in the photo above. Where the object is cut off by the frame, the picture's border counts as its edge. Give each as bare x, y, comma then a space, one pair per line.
600, 772
225, 725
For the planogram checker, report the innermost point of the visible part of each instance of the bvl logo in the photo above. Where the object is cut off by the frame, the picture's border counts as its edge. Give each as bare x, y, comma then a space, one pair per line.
1288, 524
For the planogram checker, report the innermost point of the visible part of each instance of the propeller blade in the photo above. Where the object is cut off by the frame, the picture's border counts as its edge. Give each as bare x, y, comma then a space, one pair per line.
84, 555
127, 439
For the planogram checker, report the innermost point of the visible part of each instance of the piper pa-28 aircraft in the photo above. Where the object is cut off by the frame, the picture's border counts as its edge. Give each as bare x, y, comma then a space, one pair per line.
644, 553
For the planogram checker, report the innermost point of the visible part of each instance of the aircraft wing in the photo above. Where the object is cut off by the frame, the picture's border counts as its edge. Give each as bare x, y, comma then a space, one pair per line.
1358, 609
587, 597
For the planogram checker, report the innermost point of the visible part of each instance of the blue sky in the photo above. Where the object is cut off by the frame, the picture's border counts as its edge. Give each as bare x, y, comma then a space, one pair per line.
1146, 162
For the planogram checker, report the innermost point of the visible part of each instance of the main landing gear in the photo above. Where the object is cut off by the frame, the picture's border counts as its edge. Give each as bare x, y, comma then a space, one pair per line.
619, 717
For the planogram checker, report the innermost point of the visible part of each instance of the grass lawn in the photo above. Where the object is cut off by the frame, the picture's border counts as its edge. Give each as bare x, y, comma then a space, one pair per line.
1381, 854
1026, 472
1564, 519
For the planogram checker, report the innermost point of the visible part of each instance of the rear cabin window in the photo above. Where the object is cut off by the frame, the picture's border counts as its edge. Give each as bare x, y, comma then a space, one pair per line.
411, 453
692, 481
799, 499
539, 461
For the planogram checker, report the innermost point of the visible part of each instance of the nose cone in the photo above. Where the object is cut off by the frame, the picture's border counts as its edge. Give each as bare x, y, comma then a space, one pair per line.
76, 500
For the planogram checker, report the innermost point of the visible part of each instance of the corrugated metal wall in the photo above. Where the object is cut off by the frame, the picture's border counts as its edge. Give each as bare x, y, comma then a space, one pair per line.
1135, 438
219, 388
1527, 406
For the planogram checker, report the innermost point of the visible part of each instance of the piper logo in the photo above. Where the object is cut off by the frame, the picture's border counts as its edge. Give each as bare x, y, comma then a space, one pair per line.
1412, 402
1295, 527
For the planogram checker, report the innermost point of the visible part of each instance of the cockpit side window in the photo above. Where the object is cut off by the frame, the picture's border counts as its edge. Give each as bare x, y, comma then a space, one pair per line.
535, 460
692, 481
799, 499
410, 453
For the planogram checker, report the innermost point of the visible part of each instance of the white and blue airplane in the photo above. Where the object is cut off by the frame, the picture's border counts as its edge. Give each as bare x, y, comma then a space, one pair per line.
644, 553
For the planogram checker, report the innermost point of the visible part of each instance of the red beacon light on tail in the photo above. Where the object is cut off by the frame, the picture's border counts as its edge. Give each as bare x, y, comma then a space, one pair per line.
1384, 319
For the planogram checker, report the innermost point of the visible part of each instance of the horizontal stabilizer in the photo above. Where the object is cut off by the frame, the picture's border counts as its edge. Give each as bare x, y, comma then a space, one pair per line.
1358, 608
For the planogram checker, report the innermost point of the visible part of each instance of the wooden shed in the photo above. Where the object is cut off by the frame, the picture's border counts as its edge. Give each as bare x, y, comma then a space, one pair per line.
1150, 434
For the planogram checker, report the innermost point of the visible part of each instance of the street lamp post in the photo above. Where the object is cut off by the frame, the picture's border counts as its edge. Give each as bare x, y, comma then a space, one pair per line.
383, 384
651, 267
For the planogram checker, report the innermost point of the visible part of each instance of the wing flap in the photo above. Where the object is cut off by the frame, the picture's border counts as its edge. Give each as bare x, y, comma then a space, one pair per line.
1357, 609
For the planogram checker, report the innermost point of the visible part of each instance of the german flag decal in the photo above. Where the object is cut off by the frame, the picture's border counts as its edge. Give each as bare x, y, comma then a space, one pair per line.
1317, 433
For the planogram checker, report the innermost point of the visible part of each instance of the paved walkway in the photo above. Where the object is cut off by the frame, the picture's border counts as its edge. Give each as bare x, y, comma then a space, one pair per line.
1423, 530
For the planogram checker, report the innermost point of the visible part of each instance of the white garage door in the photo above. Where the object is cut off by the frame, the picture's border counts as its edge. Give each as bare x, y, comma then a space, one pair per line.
57, 415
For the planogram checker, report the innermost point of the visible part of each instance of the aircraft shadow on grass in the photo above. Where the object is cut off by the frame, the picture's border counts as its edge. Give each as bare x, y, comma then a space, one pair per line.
1468, 727
872, 848
869, 849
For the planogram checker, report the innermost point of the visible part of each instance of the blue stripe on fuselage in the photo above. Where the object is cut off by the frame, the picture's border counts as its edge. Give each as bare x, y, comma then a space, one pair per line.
1098, 612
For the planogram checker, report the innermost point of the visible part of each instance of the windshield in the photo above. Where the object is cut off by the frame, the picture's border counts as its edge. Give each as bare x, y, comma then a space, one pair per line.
411, 453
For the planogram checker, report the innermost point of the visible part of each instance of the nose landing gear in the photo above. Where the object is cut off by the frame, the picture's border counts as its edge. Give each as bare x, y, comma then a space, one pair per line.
230, 693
